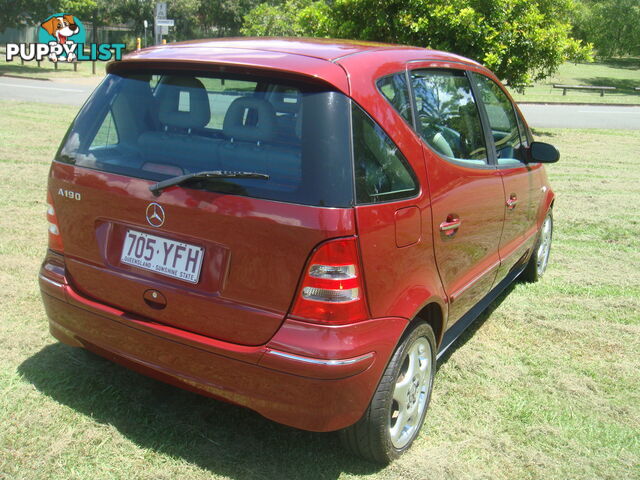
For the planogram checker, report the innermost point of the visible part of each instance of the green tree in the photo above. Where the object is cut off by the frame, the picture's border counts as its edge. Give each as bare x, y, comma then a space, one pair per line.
134, 13
613, 26
187, 22
98, 12
224, 18
31, 12
14, 13
292, 18
80, 8
520, 40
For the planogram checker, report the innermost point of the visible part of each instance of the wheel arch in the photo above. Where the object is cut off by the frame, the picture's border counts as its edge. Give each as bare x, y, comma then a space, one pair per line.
546, 205
432, 313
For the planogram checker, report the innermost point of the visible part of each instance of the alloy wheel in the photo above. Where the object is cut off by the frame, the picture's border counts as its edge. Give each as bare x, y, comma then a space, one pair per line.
411, 393
545, 246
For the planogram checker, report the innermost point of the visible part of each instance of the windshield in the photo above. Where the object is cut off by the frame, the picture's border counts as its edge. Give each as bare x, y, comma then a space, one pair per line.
163, 124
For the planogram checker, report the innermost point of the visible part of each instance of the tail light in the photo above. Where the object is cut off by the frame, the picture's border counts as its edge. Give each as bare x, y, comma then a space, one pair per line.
55, 240
332, 289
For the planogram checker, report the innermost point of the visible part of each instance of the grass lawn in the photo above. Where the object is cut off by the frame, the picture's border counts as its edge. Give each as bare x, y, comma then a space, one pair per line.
624, 74
546, 385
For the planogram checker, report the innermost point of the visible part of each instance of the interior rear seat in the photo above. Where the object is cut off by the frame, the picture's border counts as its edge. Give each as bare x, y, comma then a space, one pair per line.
250, 127
179, 144
287, 107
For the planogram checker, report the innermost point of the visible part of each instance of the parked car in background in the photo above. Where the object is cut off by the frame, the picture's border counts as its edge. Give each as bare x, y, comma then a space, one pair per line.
300, 227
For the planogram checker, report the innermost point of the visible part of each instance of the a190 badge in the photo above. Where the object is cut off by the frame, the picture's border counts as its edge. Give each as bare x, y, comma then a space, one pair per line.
69, 194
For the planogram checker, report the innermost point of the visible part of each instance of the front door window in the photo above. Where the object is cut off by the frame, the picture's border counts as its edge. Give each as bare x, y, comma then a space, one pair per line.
502, 121
447, 115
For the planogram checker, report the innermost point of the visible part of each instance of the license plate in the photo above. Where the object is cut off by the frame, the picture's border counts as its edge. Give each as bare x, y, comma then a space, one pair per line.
161, 255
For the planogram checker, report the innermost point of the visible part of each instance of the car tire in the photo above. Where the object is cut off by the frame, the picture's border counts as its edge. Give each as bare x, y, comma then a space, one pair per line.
539, 260
398, 407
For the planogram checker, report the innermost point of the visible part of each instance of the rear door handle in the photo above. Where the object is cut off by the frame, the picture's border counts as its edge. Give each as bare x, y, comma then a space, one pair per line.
512, 201
451, 225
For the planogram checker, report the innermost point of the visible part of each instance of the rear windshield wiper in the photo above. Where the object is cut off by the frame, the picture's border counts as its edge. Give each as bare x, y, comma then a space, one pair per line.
170, 182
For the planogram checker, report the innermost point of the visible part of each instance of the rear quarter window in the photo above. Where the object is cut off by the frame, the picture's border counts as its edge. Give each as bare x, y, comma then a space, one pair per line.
394, 88
381, 171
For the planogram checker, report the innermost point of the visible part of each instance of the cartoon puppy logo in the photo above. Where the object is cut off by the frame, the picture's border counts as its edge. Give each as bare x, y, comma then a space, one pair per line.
61, 28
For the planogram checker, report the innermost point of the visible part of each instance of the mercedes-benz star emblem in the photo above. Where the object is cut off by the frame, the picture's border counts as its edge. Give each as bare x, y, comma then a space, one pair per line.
155, 215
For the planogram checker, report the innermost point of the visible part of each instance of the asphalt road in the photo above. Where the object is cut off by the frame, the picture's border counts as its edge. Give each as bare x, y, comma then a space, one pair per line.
542, 116
12, 88
582, 116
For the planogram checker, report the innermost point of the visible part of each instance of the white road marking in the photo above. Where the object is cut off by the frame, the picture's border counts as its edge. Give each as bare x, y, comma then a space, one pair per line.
41, 88
608, 111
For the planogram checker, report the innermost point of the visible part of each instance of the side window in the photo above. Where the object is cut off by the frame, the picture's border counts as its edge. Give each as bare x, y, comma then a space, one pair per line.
382, 173
447, 115
505, 128
394, 88
107, 133
524, 134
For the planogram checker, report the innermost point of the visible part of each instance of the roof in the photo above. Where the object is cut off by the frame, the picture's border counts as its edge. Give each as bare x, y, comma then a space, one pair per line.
327, 59
320, 48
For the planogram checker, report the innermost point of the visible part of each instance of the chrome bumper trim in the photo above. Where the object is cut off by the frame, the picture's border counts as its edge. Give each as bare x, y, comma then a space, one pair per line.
52, 282
319, 361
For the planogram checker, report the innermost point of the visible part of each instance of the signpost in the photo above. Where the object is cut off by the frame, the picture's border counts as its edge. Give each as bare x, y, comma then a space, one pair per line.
161, 23
161, 10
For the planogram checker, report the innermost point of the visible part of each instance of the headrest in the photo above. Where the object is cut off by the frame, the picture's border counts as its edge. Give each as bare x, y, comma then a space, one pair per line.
285, 100
250, 119
183, 103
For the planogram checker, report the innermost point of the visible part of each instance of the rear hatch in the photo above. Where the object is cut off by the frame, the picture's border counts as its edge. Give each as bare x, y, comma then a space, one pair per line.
220, 257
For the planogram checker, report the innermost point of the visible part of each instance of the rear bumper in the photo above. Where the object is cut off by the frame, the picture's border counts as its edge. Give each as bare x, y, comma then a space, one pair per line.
312, 377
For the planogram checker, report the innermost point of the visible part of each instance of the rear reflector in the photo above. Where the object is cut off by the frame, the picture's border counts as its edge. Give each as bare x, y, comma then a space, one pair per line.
55, 240
332, 289
53, 267
329, 295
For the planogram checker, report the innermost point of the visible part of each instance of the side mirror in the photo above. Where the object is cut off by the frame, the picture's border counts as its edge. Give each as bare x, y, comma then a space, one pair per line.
541, 152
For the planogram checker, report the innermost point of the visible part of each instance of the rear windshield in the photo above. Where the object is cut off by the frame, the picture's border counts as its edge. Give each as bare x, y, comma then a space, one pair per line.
159, 125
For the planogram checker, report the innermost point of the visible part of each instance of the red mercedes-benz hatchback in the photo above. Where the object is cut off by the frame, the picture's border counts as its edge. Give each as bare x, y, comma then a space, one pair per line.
300, 227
